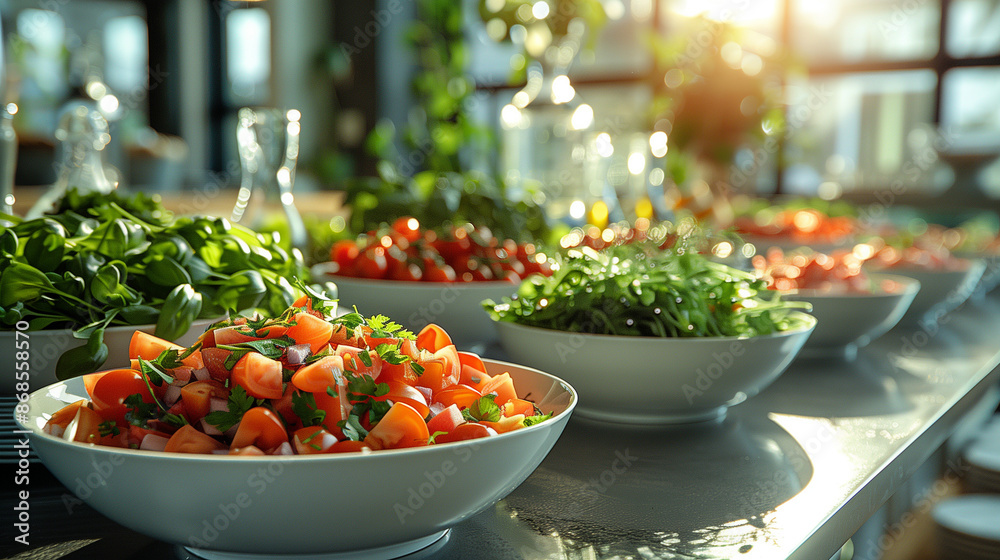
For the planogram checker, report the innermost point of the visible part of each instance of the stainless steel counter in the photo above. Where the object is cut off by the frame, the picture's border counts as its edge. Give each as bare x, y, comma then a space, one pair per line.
791, 473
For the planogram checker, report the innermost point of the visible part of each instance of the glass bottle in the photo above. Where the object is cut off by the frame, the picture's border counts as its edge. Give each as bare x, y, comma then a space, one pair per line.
545, 129
82, 135
268, 143
8, 160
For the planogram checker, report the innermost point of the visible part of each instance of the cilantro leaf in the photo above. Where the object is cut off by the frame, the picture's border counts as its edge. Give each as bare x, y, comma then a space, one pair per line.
363, 390
304, 406
154, 372
384, 327
139, 412
483, 409
239, 403
108, 428
352, 428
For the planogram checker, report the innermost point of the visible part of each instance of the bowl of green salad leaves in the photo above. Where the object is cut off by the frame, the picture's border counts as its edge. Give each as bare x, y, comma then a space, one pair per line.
652, 336
77, 282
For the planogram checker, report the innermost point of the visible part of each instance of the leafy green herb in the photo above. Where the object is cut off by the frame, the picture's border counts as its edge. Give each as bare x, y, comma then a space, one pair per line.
154, 372
631, 290
352, 428
483, 409
239, 403
430, 440
139, 412
363, 390
104, 261
304, 406
384, 327
536, 419
108, 428
273, 348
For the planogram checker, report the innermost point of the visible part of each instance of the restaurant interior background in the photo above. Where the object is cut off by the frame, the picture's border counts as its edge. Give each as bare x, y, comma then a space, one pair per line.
881, 103
581, 111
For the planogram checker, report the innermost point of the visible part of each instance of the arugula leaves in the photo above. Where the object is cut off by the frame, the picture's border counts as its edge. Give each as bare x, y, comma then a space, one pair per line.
239, 403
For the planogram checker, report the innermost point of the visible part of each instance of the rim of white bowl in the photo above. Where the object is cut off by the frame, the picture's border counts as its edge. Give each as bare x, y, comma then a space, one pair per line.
699, 339
564, 415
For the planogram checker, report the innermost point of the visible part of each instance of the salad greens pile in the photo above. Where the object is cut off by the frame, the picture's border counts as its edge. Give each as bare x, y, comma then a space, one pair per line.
95, 264
634, 291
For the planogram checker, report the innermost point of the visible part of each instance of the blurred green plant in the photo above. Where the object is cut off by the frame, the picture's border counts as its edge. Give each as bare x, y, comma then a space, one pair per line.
431, 172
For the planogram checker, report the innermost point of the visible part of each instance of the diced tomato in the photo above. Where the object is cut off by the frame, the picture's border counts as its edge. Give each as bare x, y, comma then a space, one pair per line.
459, 395
90, 379
354, 364
111, 390
349, 446
196, 398
337, 407
446, 420
462, 432
342, 335
148, 347
475, 378
215, 360
313, 439
403, 373
518, 406
401, 427
135, 434
241, 333
259, 375
262, 428
433, 338
441, 369
283, 407
187, 439
506, 424
310, 330
502, 386
62, 417
401, 392
319, 375
248, 451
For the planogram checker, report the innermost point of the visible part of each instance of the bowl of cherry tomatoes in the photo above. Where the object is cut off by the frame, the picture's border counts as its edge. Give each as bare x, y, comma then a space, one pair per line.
791, 228
418, 275
852, 306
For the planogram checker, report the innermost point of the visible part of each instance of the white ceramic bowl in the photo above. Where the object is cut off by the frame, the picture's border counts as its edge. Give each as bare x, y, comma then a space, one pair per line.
45, 347
649, 380
940, 290
382, 504
455, 306
846, 321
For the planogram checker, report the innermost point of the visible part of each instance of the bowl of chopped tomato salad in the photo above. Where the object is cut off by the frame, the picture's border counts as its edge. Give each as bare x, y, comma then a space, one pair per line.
852, 306
272, 436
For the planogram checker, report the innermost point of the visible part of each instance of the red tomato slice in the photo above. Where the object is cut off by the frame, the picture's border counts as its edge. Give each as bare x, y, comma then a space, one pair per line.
469, 430
196, 398
337, 408
111, 390
475, 378
461, 396
215, 360
446, 420
433, 338
316, 377
262, 428
401, 392
518, 406
441, 369
401, 427
312, 440
502, 386
259, 375
189, 440
63, 416
349, 446
248, 451
148, 347
311, 330
354, 364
